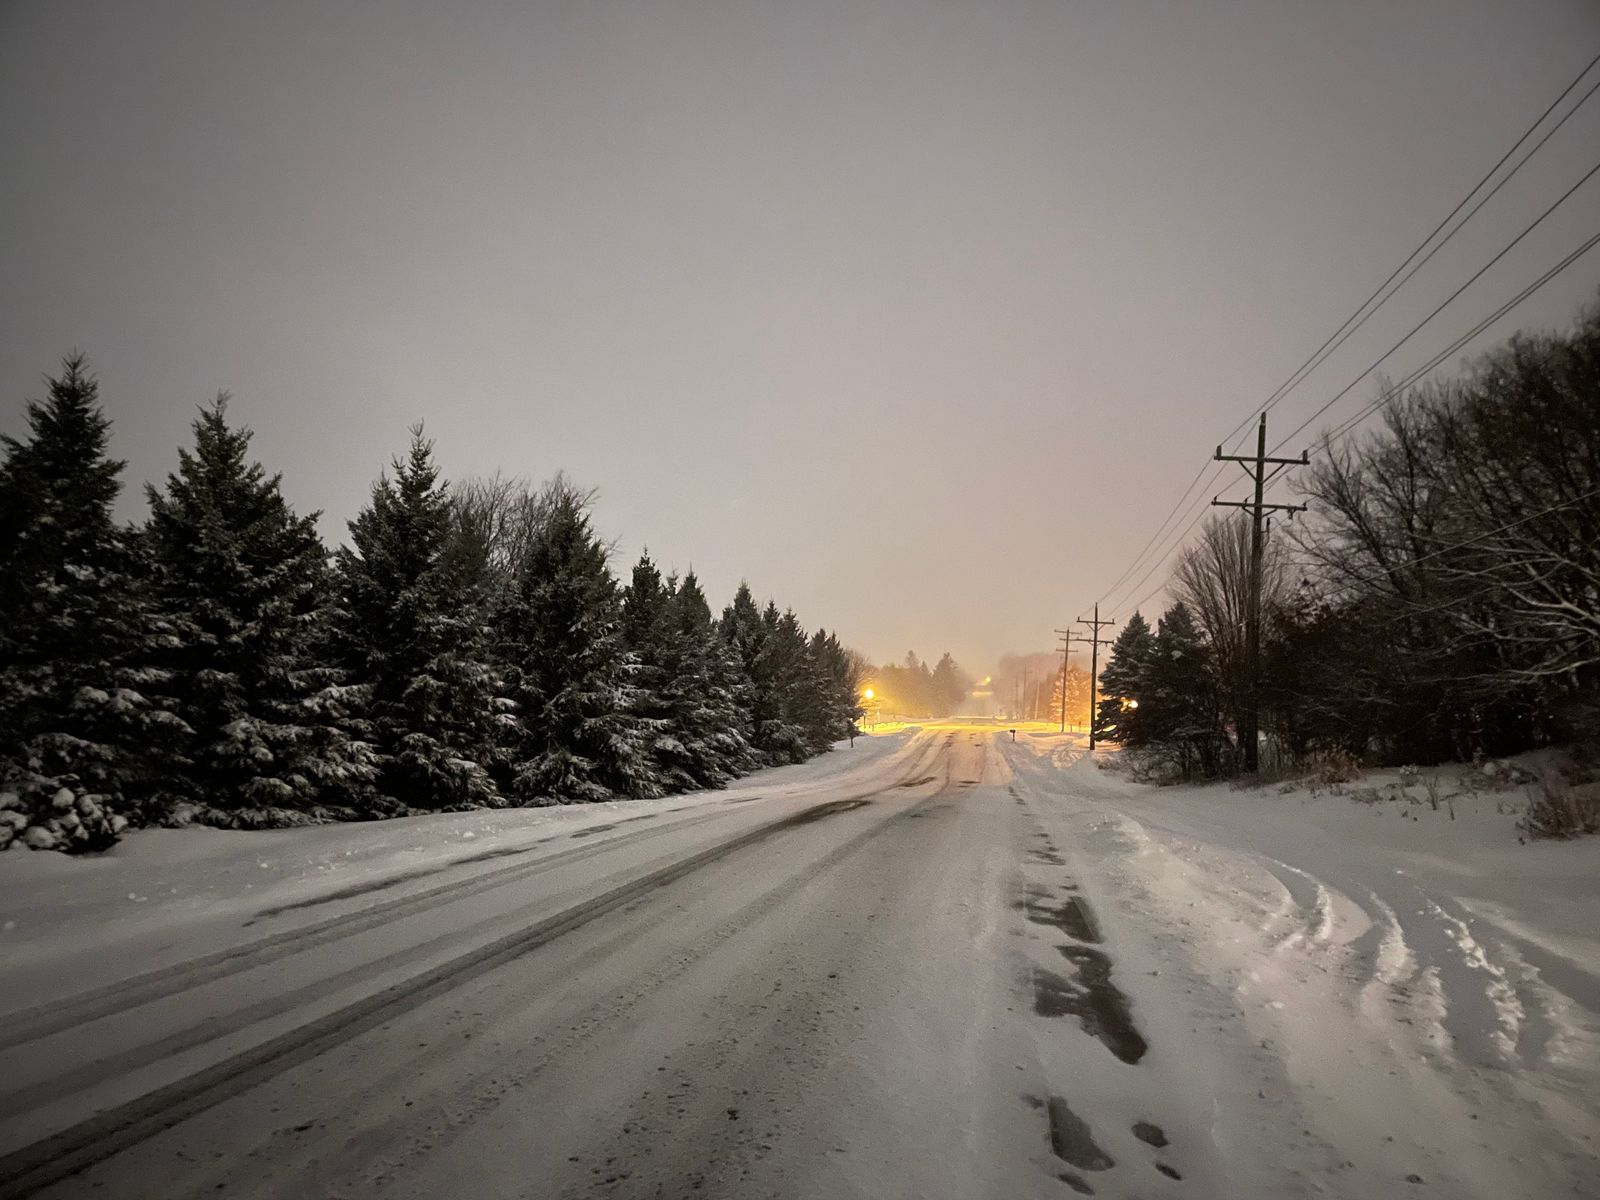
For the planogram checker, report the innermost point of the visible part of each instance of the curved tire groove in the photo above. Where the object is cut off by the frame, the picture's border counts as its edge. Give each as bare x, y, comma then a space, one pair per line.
74, 1149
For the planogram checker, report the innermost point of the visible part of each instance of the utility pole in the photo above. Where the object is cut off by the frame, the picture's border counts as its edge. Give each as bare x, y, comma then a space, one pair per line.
1066, 642
1255, 466
1094, 642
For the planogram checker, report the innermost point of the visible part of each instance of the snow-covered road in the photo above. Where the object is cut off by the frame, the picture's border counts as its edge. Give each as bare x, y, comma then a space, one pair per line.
940, 964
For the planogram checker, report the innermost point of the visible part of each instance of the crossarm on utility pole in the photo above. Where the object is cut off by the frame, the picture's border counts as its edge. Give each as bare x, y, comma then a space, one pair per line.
1255, 466
1094, 641
1066, 643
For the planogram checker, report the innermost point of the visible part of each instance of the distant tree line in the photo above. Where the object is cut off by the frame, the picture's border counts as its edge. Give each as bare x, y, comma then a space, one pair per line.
1440, 601
468, 647
911, 688
1028, 687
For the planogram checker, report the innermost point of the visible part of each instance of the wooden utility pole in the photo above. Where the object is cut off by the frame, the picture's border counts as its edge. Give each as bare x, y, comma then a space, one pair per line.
1066, 642
1095, 643
1255, 466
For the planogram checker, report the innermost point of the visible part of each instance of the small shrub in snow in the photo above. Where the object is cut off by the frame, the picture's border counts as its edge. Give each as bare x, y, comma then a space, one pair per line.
1491, 775
1558, 810
1337, 767
1431, 785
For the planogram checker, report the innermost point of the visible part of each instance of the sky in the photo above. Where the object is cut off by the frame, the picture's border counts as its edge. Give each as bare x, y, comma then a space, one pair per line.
917, 316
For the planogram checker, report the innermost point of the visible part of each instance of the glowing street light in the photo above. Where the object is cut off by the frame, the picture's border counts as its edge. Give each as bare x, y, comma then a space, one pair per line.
868, 708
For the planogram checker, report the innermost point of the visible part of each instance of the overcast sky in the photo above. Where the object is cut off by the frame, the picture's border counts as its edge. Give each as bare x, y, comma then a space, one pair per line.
918, 316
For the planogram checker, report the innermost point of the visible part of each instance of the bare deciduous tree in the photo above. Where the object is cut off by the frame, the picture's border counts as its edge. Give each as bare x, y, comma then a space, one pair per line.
1213, 578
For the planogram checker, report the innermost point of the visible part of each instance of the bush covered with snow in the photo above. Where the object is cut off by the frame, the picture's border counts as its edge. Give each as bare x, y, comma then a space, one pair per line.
42, 817
1559, 808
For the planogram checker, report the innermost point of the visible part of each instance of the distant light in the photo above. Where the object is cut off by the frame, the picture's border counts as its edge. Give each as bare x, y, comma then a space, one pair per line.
1133, 704
867, 693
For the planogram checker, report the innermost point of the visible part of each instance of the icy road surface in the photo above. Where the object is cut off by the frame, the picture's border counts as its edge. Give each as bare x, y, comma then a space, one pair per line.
938, 964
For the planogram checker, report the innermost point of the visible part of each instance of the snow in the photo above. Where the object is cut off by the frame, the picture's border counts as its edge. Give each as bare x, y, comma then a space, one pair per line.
992, 966
1346, 991
165, 895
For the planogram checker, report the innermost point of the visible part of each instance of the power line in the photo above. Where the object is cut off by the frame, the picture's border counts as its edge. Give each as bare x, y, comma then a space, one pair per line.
1356, 317
1505, 179
1477, 329
1325, 446
1256, 468
1129, 569
1431, 363
1173, 549
1476, 275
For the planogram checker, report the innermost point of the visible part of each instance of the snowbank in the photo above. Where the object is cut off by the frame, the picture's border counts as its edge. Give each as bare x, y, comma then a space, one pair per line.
1355, 987
165, 894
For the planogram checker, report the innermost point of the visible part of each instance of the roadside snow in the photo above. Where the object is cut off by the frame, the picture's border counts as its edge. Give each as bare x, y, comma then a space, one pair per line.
1359, 996
161, 895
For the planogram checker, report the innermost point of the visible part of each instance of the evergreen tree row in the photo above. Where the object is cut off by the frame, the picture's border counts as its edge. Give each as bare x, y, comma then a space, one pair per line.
468, 647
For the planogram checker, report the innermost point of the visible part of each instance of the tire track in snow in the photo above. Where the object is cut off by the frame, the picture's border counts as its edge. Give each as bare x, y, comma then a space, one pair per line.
52, 1017
1484, 1014
395, 1141
1092, 995
80, 1146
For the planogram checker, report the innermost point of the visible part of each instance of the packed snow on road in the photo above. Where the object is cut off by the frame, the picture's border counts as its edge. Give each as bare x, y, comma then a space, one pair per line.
938, 963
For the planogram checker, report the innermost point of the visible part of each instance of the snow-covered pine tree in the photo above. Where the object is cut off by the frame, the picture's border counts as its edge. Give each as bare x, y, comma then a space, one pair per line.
84, 744
707, 698
742, 632
1180, 704
1125, 677
658, 655
687, 680
1180, 680
785, 688
244, 581
566, 666
841, 698
409, 632
818, 706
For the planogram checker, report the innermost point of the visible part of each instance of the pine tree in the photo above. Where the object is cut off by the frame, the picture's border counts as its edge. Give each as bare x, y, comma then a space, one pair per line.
1123, 684
811, 704
744, 634
837, 688
243, 580
689, 681
567, 667
1179, 702
949, 684
409, 631
1180, 696
785, 692
83, 739
658, 653
707, 700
